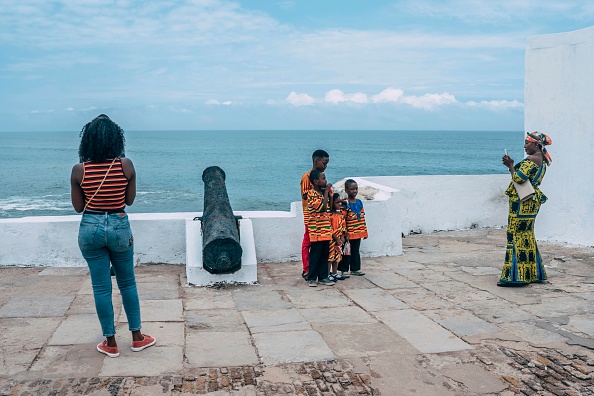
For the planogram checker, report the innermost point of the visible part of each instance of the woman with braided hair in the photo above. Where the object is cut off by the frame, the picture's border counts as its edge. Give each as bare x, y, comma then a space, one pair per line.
102, 184
523, 264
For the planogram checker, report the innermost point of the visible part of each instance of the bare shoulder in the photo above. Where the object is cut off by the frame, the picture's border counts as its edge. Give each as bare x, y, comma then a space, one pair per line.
77, 173
536, 159
128, 167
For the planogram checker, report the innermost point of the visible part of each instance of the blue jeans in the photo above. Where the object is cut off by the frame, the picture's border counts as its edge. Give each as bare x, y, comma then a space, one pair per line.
105, 239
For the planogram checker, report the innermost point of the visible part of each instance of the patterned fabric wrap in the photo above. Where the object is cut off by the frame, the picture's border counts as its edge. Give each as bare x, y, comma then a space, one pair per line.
338, 224
318, 219
305, 187
543, 140
523, 263
112, 194
355, 222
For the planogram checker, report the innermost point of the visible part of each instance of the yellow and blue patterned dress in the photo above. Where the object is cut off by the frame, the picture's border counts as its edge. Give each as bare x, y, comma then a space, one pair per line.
523, 263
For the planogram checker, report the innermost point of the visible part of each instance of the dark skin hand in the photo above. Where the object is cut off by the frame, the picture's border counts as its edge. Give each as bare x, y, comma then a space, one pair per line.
78, 202
534, 154
76, 192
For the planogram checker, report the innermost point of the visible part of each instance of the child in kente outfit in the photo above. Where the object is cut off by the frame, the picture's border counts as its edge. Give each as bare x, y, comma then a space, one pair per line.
338, 223
356, 230
320, 230
320, 160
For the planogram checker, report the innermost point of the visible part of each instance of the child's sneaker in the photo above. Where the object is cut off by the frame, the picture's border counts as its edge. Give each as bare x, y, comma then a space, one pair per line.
331, 277
338, 277
146, 342
112, 352
326, 282
304, 275
357, 273
344, 274
312, 283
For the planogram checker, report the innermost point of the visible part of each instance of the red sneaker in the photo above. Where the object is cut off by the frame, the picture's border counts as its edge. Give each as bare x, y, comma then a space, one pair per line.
146, 342
109, 351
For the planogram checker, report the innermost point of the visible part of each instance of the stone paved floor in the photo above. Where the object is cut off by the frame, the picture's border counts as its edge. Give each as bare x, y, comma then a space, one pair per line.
429, 322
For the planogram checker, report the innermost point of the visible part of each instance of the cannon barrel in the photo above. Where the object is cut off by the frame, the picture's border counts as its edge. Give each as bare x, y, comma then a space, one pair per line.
220, 232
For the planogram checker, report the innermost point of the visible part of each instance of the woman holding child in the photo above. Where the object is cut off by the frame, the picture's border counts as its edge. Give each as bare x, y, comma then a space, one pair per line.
523, 263
102, 184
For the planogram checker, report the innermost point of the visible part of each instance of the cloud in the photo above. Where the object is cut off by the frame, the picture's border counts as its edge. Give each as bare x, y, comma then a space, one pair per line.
496, 104
389, 95
336, 96
302, 99
429, 101
215, 102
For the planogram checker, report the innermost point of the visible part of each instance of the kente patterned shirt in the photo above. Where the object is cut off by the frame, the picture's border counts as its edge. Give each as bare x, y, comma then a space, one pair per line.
305, 187
318, 219
338, 224
112, 194
355, 222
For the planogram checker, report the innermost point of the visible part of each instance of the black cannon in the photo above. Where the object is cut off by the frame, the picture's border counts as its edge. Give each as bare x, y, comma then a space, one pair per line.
221, 251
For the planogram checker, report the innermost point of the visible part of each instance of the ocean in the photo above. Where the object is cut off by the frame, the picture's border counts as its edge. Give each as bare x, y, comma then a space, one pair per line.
263, 168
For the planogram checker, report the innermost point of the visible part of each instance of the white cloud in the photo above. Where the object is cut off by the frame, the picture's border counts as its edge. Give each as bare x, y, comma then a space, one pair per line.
429, 101
212, 102
336, 96
302, 99
496, 104
388, 95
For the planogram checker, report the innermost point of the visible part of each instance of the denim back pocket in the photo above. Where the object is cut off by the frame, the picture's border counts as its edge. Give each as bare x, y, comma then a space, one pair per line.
123, 233
86, 234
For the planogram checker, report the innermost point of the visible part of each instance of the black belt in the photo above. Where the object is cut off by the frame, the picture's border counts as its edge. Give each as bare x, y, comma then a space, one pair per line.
102, 212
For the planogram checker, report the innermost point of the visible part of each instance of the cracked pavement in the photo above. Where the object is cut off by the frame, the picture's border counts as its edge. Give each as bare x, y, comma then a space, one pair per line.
429, 322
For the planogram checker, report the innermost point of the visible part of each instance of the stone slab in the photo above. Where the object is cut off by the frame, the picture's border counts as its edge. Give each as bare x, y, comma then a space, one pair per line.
390, 281
476, 379
528, 331
462, 323
422, 299
275, 321
480, 271
337, 315
220, 349
76, 360
78, 329
348, 340
583, 324
158, 290
215, 320
375, 299
560, 306
497, 311
65, 271
424, 334
158, 311
320, 297
292, 346
259, 299
154, 361
36, 307
207, 298
421, 276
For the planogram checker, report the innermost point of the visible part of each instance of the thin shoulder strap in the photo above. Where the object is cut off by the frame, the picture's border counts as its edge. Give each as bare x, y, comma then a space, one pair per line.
102, 181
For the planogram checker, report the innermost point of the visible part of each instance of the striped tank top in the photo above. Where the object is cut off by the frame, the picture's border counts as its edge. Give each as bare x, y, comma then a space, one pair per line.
112, 194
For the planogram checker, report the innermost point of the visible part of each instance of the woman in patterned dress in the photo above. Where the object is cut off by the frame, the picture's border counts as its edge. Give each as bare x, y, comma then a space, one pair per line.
523, 264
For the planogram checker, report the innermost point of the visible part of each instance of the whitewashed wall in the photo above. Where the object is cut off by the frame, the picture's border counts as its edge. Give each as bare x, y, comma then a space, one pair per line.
449, 202
160, 238
558, 101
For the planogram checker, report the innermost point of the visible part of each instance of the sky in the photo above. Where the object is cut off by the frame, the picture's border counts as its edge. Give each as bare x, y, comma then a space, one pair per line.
272, 64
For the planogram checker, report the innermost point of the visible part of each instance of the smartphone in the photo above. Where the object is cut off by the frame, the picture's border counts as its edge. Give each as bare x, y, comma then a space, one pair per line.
505, 152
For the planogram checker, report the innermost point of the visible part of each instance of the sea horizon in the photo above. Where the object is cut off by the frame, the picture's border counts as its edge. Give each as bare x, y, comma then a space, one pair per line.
263, 167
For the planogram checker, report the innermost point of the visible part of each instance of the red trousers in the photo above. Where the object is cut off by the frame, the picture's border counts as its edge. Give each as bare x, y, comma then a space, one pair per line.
305, 245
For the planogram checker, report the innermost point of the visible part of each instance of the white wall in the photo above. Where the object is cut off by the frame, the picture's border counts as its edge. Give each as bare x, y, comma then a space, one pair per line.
160, 237
449, 202
559, 86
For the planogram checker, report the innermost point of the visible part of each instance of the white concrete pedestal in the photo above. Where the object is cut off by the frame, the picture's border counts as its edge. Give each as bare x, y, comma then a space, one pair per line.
198, 276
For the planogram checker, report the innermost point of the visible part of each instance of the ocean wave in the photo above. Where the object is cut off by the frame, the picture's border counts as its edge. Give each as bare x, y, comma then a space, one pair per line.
43, 203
